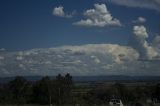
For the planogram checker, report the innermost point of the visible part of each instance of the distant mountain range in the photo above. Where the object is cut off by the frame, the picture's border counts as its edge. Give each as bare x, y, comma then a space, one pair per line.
91, 78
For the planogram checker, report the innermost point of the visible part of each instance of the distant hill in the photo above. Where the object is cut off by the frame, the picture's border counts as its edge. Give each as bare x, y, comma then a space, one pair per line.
91, 78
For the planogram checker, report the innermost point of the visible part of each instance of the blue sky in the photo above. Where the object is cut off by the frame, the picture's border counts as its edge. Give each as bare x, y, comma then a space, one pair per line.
27, 24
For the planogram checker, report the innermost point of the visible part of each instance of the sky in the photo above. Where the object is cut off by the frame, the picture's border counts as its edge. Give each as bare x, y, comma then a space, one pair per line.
30, 28
27, 24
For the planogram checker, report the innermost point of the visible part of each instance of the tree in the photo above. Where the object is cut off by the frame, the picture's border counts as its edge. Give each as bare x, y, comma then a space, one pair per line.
44, 91
157, 92
68, 87
41, 91
63, 89
19, 90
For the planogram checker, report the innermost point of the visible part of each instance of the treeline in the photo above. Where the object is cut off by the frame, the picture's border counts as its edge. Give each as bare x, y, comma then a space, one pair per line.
45, 91
128, 94
62, 90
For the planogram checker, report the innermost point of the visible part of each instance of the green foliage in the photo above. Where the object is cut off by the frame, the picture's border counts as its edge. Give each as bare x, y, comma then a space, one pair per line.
44, 91
57, 91
156, 94
41, 91
61, 90
128, 94
16, 91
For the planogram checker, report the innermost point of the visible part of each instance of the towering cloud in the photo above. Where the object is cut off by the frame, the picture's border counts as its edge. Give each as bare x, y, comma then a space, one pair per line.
156, 43
140, 32
141, 45
156, 40
99, 17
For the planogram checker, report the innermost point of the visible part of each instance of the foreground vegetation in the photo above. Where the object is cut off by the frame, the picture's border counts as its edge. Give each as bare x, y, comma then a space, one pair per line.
62, 90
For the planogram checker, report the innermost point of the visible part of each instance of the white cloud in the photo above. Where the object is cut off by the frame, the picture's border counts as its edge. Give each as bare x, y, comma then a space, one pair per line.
5, 71
117, 52
140, 20
1, 57
156, 41
140, 31
151, 52
19, 58
59, 11
48, 62
90, 59
97, 60
148, 4
117, 60
145, 50
2, 49
20, 53
85, 58
22, 66
98, 17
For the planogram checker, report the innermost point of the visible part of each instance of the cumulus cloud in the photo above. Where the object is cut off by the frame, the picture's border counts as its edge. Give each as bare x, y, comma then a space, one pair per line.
5, 71
140, 32
1, 57
145, 50
148, 4
59, 11
98, 17
140, 20
96, 59
19, 58
115, 50
90, 59
48, 62
2, 49
156, 43
22, 66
